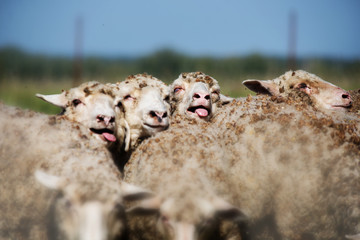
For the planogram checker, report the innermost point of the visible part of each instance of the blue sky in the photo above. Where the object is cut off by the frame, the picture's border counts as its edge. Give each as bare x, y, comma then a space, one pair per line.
195, 27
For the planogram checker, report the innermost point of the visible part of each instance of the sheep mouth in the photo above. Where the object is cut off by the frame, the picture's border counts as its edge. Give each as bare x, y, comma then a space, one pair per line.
105, 134
342, 106
161, 126
200, 110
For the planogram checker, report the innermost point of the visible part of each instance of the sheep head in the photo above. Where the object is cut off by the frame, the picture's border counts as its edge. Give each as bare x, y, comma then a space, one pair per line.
196, 95
144, 100
323, 94
90, 104
85, 210
182, 217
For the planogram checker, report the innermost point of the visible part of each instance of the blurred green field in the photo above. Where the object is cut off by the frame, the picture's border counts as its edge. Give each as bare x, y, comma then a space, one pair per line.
21, 93
22, 75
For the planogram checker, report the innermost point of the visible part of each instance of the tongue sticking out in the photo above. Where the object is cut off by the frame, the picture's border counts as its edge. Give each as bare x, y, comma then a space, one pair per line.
109, 137
201, 112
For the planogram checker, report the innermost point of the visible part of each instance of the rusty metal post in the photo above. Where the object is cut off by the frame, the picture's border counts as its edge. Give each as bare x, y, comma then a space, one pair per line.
78, 41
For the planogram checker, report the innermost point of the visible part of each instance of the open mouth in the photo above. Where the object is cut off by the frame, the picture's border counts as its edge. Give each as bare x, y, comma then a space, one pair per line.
105, 134
201, 111
156, 126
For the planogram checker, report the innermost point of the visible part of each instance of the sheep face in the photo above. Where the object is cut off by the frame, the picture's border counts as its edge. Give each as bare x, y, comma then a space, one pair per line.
88, 211
144, 99
195, 95
324, 95
91, 104
183, 218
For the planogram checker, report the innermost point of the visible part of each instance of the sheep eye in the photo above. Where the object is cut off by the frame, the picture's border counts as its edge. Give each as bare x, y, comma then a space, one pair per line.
302, 85
128, 97
177, 89
119, 104
167, 98
76, 102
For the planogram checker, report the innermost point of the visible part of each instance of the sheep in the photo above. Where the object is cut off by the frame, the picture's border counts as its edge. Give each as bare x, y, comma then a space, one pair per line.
196, 95
355, 94
295, 170
91, 104
291, 170
144, 99
83, 193
185, 205
324, 95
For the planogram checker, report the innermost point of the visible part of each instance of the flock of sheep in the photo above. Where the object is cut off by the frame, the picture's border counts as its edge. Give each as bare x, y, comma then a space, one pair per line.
139, 159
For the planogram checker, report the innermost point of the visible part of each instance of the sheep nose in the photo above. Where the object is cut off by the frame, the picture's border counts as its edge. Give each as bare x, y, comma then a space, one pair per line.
158, 115
346, 96
200, 95
105, 119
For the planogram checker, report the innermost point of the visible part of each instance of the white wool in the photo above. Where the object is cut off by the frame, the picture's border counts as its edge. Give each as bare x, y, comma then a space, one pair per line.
78, 165
144, 99
279, 160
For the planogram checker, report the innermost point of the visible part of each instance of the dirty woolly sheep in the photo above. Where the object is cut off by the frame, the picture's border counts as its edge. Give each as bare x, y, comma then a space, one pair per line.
186, 204
144, 100
300, 165
291, 170
91, 104
83, 191
324, 95
196, 95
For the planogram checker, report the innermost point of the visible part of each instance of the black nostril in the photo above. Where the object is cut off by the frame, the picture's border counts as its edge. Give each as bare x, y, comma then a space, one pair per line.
152, 114
112, 119
100, 118
345, 96
196, 95
165, 115
207, 97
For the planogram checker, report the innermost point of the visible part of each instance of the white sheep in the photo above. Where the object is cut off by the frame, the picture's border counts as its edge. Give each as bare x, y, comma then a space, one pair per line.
196, 95
323, 94
291, 170
294, 170
86, 190
144, 99
186, 205
91, 104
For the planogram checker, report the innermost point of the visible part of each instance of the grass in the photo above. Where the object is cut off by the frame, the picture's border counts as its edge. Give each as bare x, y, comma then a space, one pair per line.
21, 92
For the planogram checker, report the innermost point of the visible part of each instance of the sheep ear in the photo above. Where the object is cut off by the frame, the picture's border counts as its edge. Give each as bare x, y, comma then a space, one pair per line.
147, 207
225, 210
353, 237
262, 87
127, 136
225, 99
55, 99
49, 181
131, 192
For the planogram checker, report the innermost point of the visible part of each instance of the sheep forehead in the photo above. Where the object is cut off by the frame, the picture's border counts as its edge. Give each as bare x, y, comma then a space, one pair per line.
140, 81
292, 78
182, 209
89, 89
193, 77
91, 220
87, 191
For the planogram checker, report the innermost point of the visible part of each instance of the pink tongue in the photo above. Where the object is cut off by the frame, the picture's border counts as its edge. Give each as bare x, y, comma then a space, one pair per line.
110, 137
201, 112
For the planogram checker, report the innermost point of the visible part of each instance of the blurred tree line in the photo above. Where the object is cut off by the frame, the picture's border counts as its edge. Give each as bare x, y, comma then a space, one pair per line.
167, 64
